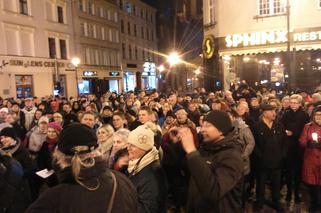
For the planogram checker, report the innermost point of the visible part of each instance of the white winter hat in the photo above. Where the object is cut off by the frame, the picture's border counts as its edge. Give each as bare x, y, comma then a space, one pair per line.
4, 109
43, 119
142, 137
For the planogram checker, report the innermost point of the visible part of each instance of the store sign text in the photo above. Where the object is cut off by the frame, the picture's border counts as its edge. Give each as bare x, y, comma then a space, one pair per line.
37, 63
272, 37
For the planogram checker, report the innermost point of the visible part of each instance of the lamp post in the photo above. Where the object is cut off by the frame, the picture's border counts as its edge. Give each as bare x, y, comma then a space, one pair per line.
290, 71
76, 61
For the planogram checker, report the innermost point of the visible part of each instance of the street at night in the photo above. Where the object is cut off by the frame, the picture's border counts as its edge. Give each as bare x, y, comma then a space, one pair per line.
160, 106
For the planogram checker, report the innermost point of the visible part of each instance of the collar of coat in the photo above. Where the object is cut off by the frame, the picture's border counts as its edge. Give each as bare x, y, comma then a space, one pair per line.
231, 140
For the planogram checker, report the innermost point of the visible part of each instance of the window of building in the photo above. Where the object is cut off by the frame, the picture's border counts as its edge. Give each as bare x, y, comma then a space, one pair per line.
136, 53
52, 47
128, 28
209, 12
147, 34
130, 51
63, 49
134, 10
121, 4
124, 50
90, 30
110, 35
142, 33
60, 12
116, 17
271, 7
117, 36
103, 36
151, 17
135, 30
91, 8
94, 31
129, 8
23, 7
152, 32
143, 54
108, 15
81, 6
142, 13
122, 26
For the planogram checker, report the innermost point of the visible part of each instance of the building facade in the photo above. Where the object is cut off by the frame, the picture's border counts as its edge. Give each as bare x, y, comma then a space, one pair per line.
276, 42
139, 45
37, 44
97, 44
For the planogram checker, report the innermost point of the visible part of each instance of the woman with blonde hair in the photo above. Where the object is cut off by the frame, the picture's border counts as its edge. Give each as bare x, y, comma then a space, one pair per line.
105, 139
87, 185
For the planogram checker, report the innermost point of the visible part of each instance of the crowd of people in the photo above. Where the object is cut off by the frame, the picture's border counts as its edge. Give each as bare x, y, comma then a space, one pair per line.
153, 152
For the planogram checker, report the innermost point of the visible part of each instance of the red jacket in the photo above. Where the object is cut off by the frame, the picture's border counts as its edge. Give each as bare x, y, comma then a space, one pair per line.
311, 171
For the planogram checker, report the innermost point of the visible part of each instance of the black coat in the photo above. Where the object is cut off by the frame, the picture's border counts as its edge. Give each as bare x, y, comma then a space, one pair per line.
270, 145
151, 188
72, 197
216, 177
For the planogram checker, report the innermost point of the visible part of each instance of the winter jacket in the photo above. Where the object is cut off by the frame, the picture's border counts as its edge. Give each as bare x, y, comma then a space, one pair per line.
247, 139
70, 197
11, 175
311, 170
151, 187
216, 177
270, 145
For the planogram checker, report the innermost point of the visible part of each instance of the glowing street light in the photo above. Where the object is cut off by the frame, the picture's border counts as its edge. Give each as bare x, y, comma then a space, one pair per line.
161, 68
197, 71
173, 58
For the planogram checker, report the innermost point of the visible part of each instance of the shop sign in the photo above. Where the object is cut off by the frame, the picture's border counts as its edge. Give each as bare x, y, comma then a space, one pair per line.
36, 63
114, 73
272, 37
90, 73
208, 46
149, 67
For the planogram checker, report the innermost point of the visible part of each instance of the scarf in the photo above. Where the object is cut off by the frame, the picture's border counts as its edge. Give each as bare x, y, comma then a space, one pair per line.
135, 166
52, 144
10, 150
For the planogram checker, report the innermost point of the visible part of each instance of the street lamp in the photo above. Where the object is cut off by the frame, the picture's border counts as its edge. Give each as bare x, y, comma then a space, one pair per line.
173, 58
76, 61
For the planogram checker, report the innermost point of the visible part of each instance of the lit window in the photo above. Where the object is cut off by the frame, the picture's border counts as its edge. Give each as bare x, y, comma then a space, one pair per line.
271, 7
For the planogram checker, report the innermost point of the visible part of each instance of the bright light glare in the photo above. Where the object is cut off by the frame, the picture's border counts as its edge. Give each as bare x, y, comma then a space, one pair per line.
75, 61
246, 59
161, 68
198, 71
173, 58
226, 58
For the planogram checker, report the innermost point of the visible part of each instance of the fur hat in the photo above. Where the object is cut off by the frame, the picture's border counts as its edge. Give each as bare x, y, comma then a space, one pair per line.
77, 138
142, 137
220, 120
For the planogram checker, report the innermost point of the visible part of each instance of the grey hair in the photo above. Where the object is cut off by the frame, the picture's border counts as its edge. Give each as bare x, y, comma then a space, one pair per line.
123, 134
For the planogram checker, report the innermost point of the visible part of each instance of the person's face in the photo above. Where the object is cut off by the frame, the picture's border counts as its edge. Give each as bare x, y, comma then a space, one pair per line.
134, 152
10, 119
88, 120
181, 116
7, 141
317, 118
143, 116
38, 114
51, 133
192, 107
241, 109
3, 114
57, 118
304, 94
66, 108
210, 132
254, 103
15, 108
102, 135
118, 142
43, 126
169, 119
216, 106
107, 112
285, 103
118, 122
172, 100
294, 104
269, 115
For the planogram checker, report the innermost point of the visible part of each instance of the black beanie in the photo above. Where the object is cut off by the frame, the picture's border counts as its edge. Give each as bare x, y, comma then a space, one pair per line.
220, 120
9, 132
77, 135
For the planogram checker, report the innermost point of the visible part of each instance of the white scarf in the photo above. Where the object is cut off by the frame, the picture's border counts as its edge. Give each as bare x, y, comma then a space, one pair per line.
135, 166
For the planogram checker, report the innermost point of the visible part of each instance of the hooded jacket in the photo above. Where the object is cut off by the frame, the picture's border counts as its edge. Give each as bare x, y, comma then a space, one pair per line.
216, 177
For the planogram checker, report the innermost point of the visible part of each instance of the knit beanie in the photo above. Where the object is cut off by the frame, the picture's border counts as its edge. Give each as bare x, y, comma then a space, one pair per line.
9, 132
56, 126
77, 138
142, 137
43, 119
220, 120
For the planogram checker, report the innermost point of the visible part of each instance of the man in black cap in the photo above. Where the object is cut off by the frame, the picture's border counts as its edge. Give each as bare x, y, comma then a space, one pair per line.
216, 169
269, 153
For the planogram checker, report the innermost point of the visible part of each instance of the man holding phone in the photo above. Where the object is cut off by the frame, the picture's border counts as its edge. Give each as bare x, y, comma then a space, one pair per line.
216, 168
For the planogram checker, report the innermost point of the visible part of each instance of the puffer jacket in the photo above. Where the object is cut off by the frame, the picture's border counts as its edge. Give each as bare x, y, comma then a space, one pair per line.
247, 139
216, 177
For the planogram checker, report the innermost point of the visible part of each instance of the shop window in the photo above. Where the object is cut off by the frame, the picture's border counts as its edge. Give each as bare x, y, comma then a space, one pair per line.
60, 13
23, 7
63, 49
271, 7
24, 87
52, 47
